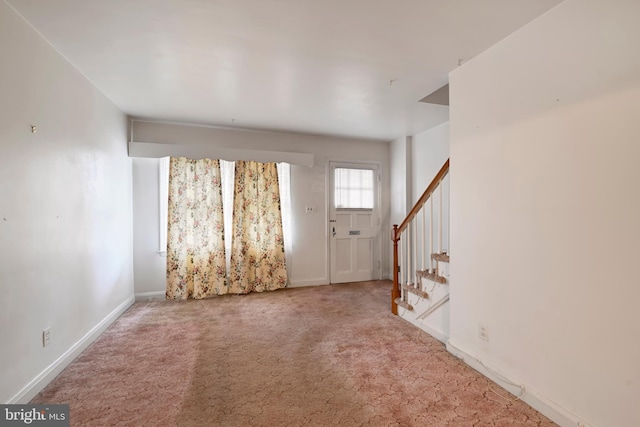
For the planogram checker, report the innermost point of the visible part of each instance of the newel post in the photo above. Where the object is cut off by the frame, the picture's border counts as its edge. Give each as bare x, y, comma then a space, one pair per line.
395, 292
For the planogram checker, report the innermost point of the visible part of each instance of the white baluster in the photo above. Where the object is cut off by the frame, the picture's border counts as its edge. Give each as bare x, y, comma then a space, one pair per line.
423, 213
440, 218
409, 254
448, 214
415, 251
430, 232
401, 265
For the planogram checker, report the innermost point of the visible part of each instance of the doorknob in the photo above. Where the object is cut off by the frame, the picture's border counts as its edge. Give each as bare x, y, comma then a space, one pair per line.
334, 232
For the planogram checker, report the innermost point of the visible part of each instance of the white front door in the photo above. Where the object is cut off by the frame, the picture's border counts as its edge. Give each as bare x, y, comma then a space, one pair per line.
354, 222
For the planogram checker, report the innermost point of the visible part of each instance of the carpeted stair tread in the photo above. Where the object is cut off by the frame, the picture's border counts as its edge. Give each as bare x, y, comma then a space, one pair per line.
444, 257
426, 274
403, 304
416, 290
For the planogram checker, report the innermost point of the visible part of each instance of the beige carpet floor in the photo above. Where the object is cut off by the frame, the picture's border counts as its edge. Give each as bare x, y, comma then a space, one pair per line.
318, 356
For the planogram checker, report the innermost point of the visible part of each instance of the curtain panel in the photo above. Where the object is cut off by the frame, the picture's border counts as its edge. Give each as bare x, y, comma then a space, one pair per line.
258, 261
196, 265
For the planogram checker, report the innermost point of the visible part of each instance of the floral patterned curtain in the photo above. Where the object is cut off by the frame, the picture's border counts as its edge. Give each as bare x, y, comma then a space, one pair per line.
257, 247
195, 238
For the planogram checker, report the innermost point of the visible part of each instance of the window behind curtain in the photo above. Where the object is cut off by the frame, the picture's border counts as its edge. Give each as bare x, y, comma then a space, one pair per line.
163, 185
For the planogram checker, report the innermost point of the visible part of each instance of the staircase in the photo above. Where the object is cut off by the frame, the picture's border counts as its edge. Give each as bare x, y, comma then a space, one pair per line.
420, 291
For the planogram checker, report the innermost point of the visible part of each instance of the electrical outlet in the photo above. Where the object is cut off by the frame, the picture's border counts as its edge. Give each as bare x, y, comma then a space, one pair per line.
46, 337
483, 333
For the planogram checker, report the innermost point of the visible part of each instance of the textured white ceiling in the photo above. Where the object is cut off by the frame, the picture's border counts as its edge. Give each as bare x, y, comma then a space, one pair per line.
336, 67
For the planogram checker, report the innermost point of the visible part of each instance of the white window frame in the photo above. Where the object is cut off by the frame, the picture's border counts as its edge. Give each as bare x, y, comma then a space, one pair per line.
373, 188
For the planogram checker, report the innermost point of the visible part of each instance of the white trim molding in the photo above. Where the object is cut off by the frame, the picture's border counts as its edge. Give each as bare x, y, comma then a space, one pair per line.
146, 296
36, 385
154, 150
308, 282
533, 398
408, 316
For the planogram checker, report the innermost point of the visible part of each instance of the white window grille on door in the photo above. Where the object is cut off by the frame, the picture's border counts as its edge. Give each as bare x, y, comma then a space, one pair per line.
354, 188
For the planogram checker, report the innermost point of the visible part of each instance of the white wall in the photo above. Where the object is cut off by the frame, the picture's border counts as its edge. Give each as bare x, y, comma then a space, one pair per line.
400, 158
429, 151
65, 216
310, 260
545, 210
400, 187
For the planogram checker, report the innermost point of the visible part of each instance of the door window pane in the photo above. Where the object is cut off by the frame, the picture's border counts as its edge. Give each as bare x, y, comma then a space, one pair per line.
353, 188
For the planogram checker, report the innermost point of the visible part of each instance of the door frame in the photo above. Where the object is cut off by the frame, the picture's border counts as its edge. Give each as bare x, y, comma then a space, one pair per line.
377, 250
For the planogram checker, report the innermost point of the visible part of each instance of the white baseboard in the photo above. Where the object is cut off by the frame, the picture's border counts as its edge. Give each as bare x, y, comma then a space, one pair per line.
311, 282
533, 398
36, 385
143, 296
419, 306
441, 336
